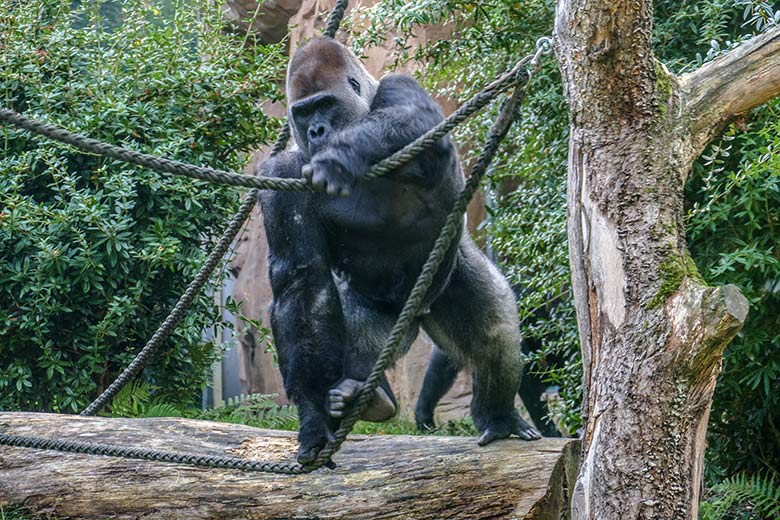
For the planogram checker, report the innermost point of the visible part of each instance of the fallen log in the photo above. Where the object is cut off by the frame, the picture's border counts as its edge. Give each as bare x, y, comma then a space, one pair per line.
378, 476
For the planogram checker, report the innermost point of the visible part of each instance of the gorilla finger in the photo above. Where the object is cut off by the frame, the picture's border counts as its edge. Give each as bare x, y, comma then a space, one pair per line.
332, 189
345, 191
318, 179
491, 435
336, 414
307, 171
306, 456
528, 434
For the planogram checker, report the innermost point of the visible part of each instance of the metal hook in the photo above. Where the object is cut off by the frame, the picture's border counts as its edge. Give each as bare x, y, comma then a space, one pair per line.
544, 45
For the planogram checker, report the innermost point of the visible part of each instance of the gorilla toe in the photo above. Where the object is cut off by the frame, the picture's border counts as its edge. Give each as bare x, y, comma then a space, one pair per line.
491, 434
502, 428
380, 409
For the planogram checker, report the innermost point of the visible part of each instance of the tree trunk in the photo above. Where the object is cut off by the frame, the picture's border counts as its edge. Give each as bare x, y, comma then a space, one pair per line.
652, 330
396, 476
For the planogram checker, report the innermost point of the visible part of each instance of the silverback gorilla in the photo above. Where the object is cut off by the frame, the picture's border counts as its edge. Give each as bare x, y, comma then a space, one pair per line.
341, 267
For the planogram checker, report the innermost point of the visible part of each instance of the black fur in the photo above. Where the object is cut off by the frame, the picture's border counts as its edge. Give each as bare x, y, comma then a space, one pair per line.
342, 267
441, 373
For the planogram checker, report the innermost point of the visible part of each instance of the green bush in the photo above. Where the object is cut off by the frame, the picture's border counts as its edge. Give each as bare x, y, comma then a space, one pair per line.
733, 195
526, 187
732, 198
734, 227
743, 497
93, 252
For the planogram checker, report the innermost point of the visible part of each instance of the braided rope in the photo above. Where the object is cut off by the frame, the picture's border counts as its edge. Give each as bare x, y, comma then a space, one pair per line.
181, 307
23, 441
334, 20
150, 161
385, 166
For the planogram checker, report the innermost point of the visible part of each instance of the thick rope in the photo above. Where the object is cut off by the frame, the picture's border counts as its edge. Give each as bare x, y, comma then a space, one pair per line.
387, 165
180, 309
90, 448
150, 161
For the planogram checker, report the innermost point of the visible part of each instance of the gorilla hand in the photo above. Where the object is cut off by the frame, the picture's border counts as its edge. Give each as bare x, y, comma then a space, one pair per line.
334, 170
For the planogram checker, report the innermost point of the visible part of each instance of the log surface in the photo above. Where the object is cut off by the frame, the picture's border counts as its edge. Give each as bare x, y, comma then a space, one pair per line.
377, 476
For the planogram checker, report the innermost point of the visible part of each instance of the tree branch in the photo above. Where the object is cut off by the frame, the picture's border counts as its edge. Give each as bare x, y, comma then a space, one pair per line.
732, 84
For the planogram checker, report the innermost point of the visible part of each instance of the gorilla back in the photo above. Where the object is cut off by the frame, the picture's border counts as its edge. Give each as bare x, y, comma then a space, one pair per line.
343, 261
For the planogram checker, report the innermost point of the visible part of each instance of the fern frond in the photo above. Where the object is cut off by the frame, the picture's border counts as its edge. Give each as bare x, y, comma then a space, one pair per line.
757, 496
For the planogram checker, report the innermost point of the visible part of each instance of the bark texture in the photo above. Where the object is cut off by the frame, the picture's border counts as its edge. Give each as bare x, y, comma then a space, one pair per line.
652, 331
377, 476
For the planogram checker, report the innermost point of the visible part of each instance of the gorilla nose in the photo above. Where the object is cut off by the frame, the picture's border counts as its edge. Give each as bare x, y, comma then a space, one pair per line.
319, 133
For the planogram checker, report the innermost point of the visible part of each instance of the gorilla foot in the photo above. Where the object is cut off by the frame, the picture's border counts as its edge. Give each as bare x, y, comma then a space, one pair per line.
310, 446
424, 423
504, 427
380, 409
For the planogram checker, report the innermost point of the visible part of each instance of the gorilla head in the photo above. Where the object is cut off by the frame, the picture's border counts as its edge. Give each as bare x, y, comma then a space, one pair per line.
327, 89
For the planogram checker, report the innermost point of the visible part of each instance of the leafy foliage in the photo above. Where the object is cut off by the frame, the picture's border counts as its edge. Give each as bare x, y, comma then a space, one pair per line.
261, 411
743, 497
732, 194
526, 196
137, 400
733, 227
94, 253
258, 410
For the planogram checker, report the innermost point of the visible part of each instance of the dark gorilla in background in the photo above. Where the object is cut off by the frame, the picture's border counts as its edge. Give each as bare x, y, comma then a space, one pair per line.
341, 267
443, 369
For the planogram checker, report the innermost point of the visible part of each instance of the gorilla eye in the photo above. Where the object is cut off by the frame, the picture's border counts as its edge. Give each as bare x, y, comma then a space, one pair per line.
355, 85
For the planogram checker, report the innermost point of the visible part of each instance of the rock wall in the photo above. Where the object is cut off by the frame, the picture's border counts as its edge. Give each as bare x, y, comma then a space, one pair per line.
258, 373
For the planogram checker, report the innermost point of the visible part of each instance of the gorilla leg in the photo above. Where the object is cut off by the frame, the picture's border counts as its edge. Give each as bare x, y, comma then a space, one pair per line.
311, 354
439, 377
531, 390
441, 373
475, 322
368, 326
306, 316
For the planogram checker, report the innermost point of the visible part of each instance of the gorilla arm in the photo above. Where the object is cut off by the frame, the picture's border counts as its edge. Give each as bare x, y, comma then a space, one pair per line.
400, 113
307, 322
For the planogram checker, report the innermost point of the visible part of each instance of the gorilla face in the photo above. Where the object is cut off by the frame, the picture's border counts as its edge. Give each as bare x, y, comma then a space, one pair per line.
327, 88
